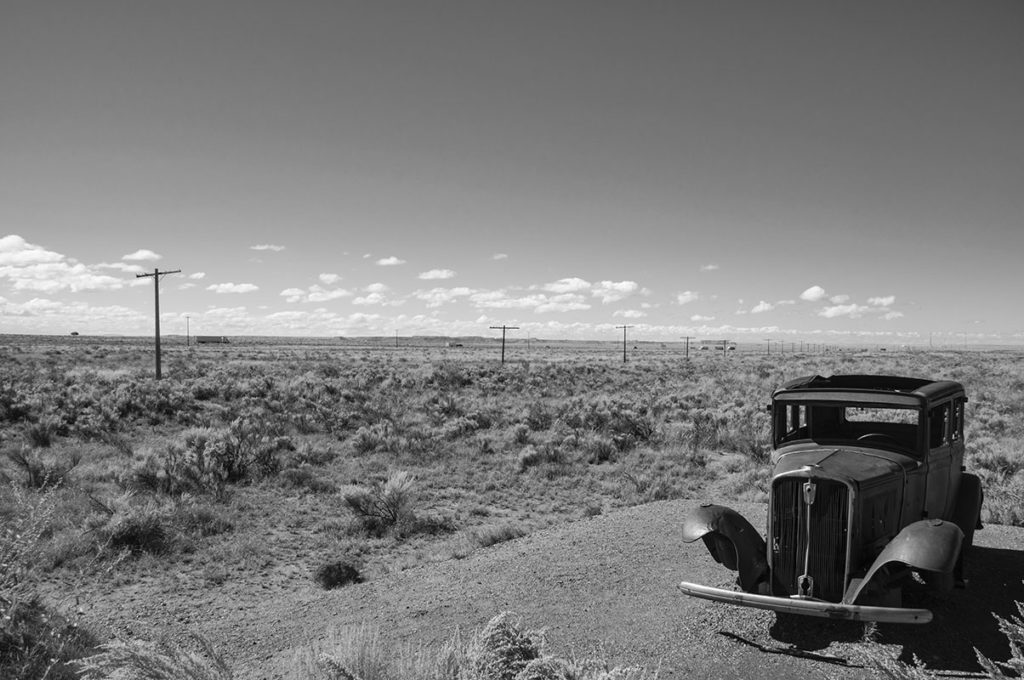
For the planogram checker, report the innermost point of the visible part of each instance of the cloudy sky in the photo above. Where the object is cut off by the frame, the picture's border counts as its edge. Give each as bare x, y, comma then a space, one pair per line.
851, 171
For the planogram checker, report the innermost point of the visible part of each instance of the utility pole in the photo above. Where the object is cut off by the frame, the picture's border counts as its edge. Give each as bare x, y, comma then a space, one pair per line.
503, 329
769, 346
156, 300
623, 341
187, 343
687, 338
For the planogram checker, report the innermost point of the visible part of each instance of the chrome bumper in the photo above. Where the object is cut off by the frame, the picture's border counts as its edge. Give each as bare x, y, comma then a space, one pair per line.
808, 607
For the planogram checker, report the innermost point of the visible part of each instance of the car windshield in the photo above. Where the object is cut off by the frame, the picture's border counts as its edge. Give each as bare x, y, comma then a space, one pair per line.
863, 425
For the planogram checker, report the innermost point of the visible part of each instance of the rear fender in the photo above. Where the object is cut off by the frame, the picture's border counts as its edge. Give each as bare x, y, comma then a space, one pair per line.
930, 545
731, 540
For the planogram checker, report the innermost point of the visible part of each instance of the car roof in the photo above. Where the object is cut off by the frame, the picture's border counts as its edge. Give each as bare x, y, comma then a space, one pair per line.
885, 388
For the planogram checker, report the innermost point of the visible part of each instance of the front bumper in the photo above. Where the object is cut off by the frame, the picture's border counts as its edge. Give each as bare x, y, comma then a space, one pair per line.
808, 607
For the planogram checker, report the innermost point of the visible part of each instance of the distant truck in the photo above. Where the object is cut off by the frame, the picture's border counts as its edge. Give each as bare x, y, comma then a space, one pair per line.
211, 339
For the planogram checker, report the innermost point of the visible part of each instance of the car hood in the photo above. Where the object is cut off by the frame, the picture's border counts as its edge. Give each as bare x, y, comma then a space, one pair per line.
851, 464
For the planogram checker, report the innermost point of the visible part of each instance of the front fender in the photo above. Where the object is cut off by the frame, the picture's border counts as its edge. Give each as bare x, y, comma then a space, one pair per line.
929, 545
731, 540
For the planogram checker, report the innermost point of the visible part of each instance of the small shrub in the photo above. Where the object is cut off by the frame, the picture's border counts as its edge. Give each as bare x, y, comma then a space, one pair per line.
336, 574
502, 649
139, 532
384, 506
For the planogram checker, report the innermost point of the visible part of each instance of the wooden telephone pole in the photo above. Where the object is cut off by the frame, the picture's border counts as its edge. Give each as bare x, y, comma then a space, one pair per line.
503, 329
156, 301
623, 341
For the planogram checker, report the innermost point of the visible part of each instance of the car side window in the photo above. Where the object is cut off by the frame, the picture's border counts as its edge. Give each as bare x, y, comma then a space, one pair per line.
938, 419
956, 427
792, 422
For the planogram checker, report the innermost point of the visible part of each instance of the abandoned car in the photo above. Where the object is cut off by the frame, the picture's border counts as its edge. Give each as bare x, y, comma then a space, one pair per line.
868, 495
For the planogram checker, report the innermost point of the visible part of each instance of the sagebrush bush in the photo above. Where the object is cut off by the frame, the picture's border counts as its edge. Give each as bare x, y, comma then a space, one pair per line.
388, 505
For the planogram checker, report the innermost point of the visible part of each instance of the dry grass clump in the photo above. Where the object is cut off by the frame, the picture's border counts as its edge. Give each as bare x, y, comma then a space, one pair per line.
140, 660
501, 650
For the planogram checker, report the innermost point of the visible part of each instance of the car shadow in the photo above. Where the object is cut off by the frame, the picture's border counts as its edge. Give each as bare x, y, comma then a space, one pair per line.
963, 619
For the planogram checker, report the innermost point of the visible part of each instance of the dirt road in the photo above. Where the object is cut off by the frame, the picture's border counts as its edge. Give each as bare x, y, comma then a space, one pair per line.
608, 585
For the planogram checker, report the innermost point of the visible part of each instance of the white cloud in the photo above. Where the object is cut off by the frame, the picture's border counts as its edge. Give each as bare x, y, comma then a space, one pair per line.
267, 246
329, 279
629, 313
686, 297
538, 302
141, 255
390, 261
698, 317
761, 307
813, 294
709, 267
569, 285
233, 288
499, 256
853, 311
562, 303
314, 293
376, 288
31, 267
122, 267
435, 274
613, 291
16, 251
886, 301
371, 299
197, 276
839, 299
436, 297
889, 316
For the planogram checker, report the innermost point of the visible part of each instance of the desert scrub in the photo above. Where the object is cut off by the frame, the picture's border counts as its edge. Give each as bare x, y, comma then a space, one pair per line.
207, 460
35, 641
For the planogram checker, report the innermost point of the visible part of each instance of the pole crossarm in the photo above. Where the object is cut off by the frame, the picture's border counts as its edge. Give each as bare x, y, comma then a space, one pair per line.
156, 304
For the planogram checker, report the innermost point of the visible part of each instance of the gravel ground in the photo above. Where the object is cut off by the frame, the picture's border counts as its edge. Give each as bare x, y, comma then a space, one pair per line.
605, 586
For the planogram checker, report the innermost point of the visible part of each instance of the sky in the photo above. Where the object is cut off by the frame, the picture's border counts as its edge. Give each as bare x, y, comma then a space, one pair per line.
842, 172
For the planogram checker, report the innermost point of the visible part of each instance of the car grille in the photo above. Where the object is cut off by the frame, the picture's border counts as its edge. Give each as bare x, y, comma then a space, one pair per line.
827, 536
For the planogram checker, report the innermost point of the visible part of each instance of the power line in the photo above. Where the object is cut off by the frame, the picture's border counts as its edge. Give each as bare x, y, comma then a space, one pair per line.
156, 304
503, 329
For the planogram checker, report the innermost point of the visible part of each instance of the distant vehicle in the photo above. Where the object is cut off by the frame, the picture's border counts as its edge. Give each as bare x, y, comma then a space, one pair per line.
867, 491
214, 339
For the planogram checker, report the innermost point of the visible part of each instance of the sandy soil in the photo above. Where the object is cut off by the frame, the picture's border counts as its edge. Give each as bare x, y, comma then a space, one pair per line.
604, 586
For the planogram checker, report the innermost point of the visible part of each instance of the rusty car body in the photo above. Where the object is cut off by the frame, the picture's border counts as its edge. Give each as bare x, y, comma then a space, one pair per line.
868, 494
